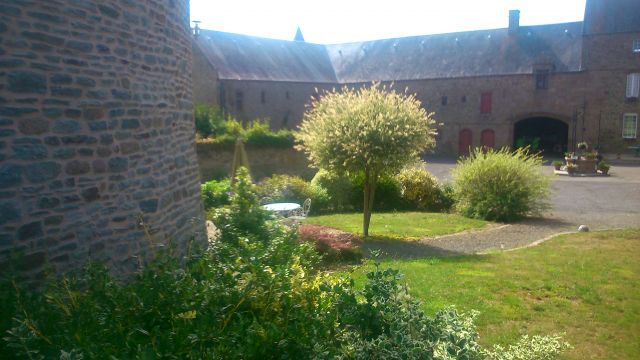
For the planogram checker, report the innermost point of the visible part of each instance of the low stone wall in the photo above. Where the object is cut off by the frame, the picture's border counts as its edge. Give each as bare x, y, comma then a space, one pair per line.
215, 161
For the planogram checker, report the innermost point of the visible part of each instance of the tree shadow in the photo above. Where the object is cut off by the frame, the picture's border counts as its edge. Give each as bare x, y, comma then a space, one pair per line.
403, 249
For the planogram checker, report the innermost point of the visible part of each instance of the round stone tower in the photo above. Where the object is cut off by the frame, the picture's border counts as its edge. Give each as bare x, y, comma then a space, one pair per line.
97, 154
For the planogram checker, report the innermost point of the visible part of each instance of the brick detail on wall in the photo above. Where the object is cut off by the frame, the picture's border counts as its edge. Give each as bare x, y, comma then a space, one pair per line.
97, 154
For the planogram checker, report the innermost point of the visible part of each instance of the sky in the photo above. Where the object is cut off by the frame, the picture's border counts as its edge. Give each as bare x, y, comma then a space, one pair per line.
340, 21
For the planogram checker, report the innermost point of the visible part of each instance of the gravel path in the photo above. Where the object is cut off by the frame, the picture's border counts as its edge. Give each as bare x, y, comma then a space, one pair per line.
600, 203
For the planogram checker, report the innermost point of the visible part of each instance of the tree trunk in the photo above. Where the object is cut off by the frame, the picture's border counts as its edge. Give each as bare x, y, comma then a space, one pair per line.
369, 192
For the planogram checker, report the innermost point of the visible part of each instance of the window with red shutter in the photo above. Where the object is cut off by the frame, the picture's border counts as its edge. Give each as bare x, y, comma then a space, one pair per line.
485, 103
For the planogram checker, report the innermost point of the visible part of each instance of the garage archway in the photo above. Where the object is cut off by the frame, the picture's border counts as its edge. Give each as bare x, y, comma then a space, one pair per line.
546, 134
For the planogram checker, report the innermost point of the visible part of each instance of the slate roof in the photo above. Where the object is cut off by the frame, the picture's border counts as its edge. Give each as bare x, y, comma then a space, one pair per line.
463, 54
243, 57
612, 16
451, 55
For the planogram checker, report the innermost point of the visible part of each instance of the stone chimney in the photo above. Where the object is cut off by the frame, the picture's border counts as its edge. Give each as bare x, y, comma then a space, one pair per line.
514, 21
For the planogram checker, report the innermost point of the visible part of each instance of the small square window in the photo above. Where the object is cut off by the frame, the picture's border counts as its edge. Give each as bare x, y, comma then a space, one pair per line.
542, 79
629, 126
444, 100
636, 46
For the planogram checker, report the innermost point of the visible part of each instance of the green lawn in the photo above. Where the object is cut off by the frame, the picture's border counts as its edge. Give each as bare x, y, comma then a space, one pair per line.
400, 225
586, 285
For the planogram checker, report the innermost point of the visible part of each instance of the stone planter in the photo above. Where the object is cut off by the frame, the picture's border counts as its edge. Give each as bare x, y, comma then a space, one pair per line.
586, 166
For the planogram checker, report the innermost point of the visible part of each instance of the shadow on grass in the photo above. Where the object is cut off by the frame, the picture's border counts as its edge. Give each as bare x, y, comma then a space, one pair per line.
393, 248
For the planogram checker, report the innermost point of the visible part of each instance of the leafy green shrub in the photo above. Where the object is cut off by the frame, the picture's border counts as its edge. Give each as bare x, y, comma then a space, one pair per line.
500, 185
286, 188
215, 193
342, 193
347, 194
213, 128
209, 120
258, 133
420, 188
388, 194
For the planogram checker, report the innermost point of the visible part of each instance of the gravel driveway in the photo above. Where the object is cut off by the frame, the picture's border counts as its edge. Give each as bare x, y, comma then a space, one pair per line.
598, 202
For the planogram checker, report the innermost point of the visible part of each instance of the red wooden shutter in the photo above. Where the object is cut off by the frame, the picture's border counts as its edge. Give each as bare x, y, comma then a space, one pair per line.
485, 103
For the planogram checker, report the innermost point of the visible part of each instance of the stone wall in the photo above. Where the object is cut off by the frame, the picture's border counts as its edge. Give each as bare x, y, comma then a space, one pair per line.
215, 162
96, 131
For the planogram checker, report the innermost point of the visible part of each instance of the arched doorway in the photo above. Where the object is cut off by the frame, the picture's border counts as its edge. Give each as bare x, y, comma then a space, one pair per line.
464, 142
545, 134
488, 139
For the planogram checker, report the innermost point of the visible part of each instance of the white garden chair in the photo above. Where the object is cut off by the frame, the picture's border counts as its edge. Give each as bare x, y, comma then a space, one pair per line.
296, 216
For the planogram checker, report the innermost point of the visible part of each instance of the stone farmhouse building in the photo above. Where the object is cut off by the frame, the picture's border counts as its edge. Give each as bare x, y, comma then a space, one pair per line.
555, 84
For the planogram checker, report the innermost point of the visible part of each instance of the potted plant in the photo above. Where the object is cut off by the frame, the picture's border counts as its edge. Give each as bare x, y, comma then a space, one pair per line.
557, 164
604, 167
571, 169
582, 146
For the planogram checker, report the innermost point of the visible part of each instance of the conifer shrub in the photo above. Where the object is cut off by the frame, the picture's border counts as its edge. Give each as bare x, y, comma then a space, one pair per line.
500, 185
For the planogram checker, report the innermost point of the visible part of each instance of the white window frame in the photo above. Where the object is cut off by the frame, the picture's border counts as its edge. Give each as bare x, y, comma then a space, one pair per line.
633, 85
635, 130
636, 46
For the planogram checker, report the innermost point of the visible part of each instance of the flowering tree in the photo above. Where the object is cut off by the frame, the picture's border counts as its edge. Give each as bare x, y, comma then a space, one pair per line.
371, 131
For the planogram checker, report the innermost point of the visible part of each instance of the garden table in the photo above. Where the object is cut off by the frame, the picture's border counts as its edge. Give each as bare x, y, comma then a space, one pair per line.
282, 208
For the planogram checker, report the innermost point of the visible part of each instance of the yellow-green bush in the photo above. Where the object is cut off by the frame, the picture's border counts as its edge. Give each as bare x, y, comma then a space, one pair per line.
500, 185
420, 188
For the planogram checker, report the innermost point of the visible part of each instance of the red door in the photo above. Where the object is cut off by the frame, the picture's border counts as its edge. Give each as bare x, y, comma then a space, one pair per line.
488, 139
464, 142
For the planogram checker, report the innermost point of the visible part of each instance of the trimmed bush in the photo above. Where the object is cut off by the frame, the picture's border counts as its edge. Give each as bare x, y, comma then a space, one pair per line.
212, 127
500, 185
215, 193
342, 193
286, 188
420, 188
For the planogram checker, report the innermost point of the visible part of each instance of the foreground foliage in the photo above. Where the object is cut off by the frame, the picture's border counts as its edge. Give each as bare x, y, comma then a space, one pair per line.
500, 185
252, 294
583, 285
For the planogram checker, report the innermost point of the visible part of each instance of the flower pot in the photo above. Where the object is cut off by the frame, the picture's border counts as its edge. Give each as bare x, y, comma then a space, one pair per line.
586, 166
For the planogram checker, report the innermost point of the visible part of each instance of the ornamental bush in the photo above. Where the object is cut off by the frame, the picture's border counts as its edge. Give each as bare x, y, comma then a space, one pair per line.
500, 185
420, 188
369, 132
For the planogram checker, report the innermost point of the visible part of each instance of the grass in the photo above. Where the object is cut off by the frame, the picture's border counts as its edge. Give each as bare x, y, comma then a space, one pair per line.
586, 285
400, 225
